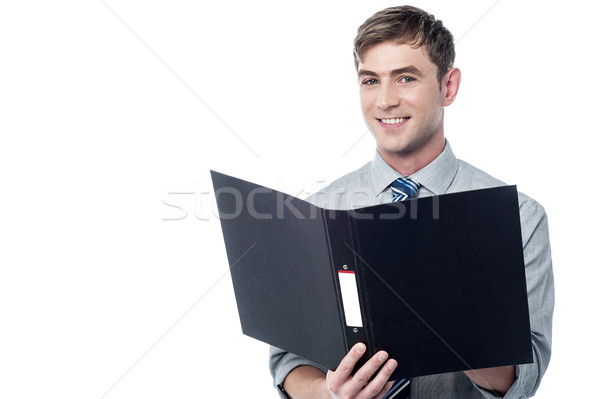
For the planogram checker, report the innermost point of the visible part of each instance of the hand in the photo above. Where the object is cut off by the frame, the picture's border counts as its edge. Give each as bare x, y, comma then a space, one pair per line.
342, 385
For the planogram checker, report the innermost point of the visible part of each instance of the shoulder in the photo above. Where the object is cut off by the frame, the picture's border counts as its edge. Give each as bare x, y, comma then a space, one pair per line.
470, 176
338, 193
350, 180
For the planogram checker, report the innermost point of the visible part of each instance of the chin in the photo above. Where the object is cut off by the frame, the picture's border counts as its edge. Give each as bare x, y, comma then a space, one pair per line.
395, 146
407, 145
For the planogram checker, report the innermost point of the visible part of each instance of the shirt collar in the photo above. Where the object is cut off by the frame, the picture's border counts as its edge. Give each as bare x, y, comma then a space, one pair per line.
435, 176
382, 174
439, 173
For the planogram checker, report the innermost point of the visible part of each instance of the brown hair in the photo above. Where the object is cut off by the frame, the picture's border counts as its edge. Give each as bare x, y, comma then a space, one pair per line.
407, 25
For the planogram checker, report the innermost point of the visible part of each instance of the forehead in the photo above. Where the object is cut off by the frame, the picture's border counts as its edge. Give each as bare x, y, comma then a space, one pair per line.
388, 56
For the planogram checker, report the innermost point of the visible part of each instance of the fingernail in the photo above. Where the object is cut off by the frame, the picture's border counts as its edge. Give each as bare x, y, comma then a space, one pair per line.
392, 365
360, 349
381, 357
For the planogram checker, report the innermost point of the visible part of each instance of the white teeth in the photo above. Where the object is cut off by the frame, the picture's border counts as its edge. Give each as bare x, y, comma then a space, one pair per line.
393, 121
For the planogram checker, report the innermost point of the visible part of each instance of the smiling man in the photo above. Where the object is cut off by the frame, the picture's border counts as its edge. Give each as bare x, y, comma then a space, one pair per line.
404, 60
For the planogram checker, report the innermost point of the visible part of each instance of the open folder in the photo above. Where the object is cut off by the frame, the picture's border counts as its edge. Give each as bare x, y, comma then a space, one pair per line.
437, 282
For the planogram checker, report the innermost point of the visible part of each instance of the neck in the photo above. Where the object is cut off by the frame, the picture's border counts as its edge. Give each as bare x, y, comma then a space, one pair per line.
410, 162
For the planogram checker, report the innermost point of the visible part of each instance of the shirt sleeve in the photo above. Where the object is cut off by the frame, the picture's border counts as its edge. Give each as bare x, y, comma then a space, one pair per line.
540, 294
281, 363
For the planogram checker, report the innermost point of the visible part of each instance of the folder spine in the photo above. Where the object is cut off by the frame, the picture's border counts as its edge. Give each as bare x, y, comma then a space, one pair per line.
344, 260
362, 285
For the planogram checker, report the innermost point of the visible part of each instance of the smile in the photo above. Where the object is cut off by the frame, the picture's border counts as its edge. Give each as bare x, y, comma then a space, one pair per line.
393, 121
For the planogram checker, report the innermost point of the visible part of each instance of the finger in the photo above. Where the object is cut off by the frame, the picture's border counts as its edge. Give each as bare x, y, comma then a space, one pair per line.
386, 388
344, 370
380, 385
364, 374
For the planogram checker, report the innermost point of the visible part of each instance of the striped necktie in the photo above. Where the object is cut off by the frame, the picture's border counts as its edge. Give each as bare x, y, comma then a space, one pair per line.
404, 188
400, 390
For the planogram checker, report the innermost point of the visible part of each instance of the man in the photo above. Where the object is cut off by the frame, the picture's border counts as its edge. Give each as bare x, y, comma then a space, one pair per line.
404, 59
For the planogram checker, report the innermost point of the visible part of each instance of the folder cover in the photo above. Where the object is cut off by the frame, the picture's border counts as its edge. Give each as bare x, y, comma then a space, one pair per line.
437, 282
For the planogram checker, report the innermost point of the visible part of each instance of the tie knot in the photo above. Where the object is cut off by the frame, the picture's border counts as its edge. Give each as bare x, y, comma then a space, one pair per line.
404, 188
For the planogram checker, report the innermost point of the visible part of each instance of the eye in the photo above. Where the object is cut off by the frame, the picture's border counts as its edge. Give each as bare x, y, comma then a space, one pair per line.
406, 79
369, 82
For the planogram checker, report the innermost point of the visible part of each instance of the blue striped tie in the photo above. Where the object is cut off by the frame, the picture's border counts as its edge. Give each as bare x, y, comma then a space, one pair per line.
404, 188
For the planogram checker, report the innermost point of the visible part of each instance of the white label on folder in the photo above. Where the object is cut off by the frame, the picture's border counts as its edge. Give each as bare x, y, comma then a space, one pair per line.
350, 299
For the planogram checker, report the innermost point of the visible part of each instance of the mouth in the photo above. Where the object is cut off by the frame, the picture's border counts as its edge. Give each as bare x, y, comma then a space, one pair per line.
393, 121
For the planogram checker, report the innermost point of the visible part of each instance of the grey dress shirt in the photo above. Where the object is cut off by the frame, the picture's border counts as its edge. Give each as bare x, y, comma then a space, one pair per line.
370, 185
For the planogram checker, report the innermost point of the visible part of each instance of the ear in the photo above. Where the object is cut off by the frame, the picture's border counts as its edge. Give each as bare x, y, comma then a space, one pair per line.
450, 85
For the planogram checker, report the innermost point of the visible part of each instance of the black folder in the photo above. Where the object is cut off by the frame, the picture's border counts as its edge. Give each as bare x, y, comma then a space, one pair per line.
437, 282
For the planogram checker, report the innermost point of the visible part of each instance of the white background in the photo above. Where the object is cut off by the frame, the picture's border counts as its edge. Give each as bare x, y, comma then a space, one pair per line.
112, 110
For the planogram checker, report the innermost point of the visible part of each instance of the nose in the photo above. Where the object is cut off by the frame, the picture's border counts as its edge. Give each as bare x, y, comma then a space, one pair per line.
387, 98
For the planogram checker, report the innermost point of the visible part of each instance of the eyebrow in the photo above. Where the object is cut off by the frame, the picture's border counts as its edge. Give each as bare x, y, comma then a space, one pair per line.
407, 69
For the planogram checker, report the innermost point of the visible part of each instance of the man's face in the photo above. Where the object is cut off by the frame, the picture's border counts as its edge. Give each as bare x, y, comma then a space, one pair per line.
401, 99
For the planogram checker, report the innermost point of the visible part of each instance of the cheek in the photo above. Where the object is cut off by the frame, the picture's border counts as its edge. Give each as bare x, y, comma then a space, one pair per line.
366, 100
426, 103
